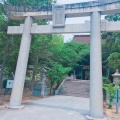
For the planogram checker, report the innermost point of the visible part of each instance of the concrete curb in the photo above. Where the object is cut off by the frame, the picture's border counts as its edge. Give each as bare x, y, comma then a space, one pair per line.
91, 118
15, 107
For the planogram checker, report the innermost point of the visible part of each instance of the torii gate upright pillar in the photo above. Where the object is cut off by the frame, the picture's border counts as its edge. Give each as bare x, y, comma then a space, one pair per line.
96, 94
17, 91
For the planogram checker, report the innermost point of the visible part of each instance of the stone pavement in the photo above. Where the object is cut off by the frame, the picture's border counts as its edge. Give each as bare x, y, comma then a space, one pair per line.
51, 108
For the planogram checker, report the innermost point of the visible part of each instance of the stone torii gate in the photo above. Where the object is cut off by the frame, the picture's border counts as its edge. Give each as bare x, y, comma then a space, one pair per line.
94, 9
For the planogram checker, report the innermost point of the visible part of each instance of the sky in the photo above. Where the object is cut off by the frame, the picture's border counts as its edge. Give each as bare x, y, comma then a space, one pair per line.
68, 37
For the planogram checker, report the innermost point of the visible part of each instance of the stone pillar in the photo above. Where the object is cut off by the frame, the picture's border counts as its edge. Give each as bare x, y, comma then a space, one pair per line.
43, 77
17, 90
96, 94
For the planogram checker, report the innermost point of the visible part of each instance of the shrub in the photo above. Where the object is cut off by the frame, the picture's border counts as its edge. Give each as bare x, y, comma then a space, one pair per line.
110, 90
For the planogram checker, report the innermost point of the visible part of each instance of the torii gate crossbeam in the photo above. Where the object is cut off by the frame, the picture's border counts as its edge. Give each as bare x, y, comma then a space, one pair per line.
69, 28
71, 10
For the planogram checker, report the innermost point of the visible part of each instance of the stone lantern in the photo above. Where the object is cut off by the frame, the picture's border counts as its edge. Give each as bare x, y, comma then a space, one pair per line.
41, 88
43, 78
116, 78
116, 81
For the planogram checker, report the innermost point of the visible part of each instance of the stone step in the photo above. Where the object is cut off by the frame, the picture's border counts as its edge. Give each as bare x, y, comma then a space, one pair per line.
76, 88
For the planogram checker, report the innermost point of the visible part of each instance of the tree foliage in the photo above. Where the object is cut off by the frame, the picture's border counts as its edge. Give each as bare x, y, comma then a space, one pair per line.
65, 58
114, 60
110, 90
111, 45
115, 17
57, 74
29, 2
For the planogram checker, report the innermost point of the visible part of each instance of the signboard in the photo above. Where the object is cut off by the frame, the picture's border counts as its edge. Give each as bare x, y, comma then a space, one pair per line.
9, 83
58, 16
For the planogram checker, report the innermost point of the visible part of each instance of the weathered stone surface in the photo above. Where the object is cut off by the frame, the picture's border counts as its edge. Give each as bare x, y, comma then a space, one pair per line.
72, 10
21, 67
96, 93
76, 88
69, 28
38, 88
1, 102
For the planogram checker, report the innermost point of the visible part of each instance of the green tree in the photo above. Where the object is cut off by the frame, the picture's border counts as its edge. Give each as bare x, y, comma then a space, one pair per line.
40, 54
70, 53
29, 2
114, 60
111, 45
115, 17
110, 90
65, 58
57, 74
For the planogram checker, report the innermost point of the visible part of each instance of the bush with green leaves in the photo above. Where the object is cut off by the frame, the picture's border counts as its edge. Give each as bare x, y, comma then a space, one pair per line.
110, 90
105, 80
56, 75
114, 60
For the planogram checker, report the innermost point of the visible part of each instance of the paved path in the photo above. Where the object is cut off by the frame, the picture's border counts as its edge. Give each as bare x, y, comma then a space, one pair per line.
52, 108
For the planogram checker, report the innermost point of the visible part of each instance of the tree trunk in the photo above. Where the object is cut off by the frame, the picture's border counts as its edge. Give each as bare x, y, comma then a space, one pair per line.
4, 59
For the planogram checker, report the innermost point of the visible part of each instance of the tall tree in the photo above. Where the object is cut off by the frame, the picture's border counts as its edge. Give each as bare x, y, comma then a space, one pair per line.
40, 54
65, 58
111, 45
